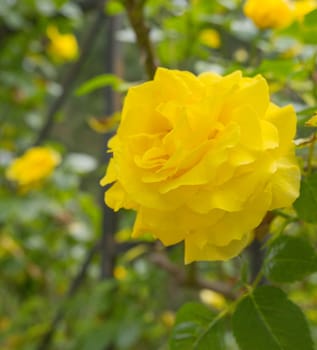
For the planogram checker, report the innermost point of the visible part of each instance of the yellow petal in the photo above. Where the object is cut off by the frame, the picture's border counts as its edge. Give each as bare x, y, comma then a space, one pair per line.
284, 120
250, 127
111, 174
255, 93
212, 252
269, 135
285, 183
117, 198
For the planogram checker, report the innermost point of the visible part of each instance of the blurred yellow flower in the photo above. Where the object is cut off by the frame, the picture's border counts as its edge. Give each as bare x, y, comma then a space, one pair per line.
277, 13
120, 273
62, 47
202, 159
269, 13
34, 166
212, 298
303, 7
168, 318
210, 38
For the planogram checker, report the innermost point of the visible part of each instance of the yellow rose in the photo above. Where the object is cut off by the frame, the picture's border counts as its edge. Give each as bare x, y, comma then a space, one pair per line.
269, 13
202, 159
34, 166
62, 47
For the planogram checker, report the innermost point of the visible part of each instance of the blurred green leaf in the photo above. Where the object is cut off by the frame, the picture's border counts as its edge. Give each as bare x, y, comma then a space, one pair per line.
97, 338
306, 203
266, 320
278, 68
128, 333
310, 20
289, 259
114, 7
98, 82
197, 328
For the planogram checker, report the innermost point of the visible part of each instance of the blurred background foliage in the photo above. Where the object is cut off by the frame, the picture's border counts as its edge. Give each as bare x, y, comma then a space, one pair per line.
65, 67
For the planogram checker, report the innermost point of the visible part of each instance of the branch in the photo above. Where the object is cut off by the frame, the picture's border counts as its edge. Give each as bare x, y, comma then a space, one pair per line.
135, 12
71, 76
179, 275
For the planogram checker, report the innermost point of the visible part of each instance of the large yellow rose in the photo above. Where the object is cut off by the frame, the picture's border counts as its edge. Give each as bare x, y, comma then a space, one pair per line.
202, 159
269, 13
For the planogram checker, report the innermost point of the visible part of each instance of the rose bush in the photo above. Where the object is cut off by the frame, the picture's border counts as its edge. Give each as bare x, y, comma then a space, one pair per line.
202, 159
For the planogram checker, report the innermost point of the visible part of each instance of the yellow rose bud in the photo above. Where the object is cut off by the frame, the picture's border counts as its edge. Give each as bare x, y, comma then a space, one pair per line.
33, 167
62, 47
269, 13
202, 159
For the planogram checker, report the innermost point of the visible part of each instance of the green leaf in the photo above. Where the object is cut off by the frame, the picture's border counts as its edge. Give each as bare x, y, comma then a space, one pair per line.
306, 203
99, 82
114, 7
278, 68
310, 19
289, 259
266, 320
197, 328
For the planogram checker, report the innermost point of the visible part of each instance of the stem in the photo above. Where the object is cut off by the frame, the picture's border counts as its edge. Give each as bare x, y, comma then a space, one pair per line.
256, 260
109, 217
135, 12
256, 250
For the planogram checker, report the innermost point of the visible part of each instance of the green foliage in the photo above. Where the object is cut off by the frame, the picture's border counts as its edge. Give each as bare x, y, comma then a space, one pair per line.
289, 259
99, 82
306, 204
266, 319
196, 327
